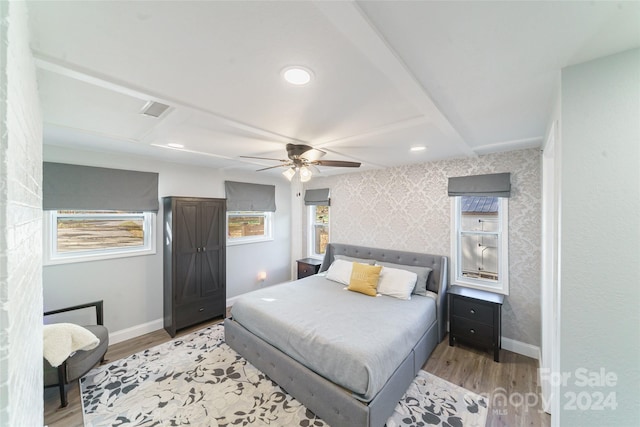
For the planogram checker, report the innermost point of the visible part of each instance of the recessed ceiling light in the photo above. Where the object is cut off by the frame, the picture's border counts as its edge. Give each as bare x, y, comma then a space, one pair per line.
175, 145
418, 148
298, 76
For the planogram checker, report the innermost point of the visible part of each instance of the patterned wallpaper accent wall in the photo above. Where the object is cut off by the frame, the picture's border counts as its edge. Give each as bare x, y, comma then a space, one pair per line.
407, 208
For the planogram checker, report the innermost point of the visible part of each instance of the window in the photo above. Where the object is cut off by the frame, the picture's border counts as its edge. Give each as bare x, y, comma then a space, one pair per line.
249, 227
318, 235
480, 242
75, 236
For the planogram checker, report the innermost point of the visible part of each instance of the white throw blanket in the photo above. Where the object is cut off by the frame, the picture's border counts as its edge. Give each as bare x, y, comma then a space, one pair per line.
63, 339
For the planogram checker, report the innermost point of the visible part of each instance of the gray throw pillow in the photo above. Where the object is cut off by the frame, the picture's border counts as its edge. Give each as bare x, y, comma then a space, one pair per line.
352, 259
422, 272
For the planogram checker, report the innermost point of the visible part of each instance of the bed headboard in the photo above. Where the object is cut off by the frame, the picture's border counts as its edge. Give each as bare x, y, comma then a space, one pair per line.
437, 281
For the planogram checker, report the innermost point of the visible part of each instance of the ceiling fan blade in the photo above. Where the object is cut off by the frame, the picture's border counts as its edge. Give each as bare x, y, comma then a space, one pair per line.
338, 163
263, 158
298, 151
313, 155
272, 167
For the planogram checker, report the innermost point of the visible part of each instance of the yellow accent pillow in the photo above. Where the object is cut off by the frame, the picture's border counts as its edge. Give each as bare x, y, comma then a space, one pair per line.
364, 278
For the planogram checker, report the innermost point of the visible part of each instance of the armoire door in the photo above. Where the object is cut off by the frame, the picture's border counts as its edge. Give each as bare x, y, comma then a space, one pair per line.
212, 233
186, 241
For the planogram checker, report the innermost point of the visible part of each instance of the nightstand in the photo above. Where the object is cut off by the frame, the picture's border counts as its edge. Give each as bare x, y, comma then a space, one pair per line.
308, 267
475, 318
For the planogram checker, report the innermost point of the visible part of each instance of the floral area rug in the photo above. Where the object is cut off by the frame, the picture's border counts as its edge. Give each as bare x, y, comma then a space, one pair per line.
197, 380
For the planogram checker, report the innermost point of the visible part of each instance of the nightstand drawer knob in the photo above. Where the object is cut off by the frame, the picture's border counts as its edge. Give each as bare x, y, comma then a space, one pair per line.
473, 331
202, 309
472, 311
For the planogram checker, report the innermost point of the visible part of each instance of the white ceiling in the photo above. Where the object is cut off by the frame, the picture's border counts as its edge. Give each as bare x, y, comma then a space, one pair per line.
462, 78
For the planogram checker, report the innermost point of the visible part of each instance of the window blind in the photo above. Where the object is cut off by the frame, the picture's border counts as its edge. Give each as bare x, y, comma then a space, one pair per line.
244, 196
76, 187
490, 185
318, 196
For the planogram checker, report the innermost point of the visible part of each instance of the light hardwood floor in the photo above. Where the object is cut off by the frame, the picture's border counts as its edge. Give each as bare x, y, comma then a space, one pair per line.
511, 386
514, 377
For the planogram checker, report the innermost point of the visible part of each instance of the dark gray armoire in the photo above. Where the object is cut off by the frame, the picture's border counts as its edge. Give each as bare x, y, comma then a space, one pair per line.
194, 261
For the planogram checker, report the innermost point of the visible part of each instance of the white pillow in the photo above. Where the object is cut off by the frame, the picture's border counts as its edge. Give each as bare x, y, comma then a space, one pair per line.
340, 271
397, 283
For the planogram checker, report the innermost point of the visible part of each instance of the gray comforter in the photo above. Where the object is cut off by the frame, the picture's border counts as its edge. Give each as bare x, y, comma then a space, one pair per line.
354, 340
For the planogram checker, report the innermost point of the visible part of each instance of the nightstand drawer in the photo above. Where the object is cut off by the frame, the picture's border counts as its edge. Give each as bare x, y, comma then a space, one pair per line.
305, 270
308, 267
473, 310
470, 330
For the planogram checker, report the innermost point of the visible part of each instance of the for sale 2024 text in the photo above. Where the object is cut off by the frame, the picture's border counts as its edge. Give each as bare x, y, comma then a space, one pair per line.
597, 393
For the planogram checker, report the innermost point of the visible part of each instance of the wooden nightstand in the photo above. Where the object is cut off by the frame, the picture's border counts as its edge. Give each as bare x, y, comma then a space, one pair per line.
475, 318
308, 267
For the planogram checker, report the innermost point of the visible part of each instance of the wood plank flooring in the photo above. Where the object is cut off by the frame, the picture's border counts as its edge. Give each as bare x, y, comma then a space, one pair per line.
511, 386
512, 378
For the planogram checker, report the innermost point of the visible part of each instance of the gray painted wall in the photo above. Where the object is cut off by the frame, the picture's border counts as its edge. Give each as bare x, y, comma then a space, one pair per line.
407, 208
132, 287
600, 237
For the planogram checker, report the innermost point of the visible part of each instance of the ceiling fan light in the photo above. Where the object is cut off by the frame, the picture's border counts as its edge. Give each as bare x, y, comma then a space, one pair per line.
289, 173
305, 174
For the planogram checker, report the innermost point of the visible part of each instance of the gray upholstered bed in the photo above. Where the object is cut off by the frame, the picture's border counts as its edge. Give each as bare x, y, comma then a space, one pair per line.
271, 330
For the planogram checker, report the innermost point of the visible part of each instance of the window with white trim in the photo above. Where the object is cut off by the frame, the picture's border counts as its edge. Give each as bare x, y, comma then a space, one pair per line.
79, 235
249, 227
480, 238
318, 232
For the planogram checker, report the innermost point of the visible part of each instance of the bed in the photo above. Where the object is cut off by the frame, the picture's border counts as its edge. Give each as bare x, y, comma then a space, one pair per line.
282, 330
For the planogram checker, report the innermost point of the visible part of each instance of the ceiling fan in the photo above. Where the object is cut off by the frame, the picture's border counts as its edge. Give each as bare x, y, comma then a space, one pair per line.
302, 159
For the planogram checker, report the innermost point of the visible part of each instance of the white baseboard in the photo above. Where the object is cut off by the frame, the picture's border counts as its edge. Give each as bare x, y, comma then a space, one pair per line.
135, 331
145, 328
519, 347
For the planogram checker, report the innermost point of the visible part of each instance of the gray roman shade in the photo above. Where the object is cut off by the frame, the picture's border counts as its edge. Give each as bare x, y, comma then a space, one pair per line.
319, 196
243, 196
491, 185
74, 187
